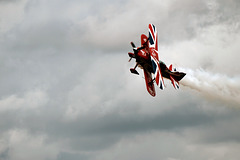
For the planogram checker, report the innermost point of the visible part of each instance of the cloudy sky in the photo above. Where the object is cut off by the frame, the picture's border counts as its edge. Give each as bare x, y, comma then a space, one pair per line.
66, 92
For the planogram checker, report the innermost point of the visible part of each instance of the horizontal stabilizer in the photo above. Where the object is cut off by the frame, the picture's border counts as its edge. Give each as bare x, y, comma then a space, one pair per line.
174, 83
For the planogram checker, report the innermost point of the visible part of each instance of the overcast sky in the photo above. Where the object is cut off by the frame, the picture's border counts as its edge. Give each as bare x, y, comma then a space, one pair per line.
66, 92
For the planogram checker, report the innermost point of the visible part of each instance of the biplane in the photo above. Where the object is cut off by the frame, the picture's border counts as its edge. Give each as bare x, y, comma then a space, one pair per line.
155, 70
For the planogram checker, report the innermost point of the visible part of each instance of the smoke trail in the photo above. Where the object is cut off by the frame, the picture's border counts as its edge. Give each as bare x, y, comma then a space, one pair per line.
213, 86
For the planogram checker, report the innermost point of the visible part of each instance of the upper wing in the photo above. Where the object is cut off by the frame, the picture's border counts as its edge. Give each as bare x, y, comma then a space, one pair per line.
153, 41
153, 49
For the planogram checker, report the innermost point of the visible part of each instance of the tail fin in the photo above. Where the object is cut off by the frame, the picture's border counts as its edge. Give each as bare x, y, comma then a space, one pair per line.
172, 69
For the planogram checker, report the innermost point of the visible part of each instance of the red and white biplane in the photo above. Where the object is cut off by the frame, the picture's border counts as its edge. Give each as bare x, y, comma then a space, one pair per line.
147, 59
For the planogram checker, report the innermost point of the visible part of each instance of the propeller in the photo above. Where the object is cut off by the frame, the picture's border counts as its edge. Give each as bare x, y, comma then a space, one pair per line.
135, 49
134, 52
134, 55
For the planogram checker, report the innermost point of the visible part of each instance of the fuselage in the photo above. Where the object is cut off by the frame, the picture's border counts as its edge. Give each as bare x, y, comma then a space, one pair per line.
144, 62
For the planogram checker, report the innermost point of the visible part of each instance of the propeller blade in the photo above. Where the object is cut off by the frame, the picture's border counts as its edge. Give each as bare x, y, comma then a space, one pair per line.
130, 59
133, 45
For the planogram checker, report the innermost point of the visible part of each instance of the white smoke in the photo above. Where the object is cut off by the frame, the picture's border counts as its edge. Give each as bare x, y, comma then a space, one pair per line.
213, 85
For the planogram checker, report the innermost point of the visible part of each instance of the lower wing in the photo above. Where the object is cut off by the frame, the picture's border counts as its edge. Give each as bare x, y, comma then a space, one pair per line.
149, 83
157, 72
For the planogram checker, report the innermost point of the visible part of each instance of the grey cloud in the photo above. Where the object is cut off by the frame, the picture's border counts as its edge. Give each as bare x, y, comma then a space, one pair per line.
222, 132
4, 154
7, 1
73, 156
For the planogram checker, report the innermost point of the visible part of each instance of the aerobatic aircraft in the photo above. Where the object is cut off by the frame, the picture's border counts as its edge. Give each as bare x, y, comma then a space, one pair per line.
147, 59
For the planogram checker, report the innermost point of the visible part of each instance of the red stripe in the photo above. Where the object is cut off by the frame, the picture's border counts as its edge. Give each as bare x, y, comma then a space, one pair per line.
156, 43
157, 78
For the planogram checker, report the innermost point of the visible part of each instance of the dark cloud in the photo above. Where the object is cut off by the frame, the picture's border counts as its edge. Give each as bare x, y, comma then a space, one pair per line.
4, 154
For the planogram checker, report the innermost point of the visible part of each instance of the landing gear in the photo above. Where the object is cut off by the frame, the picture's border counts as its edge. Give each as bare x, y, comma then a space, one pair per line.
151, 82
133, 70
